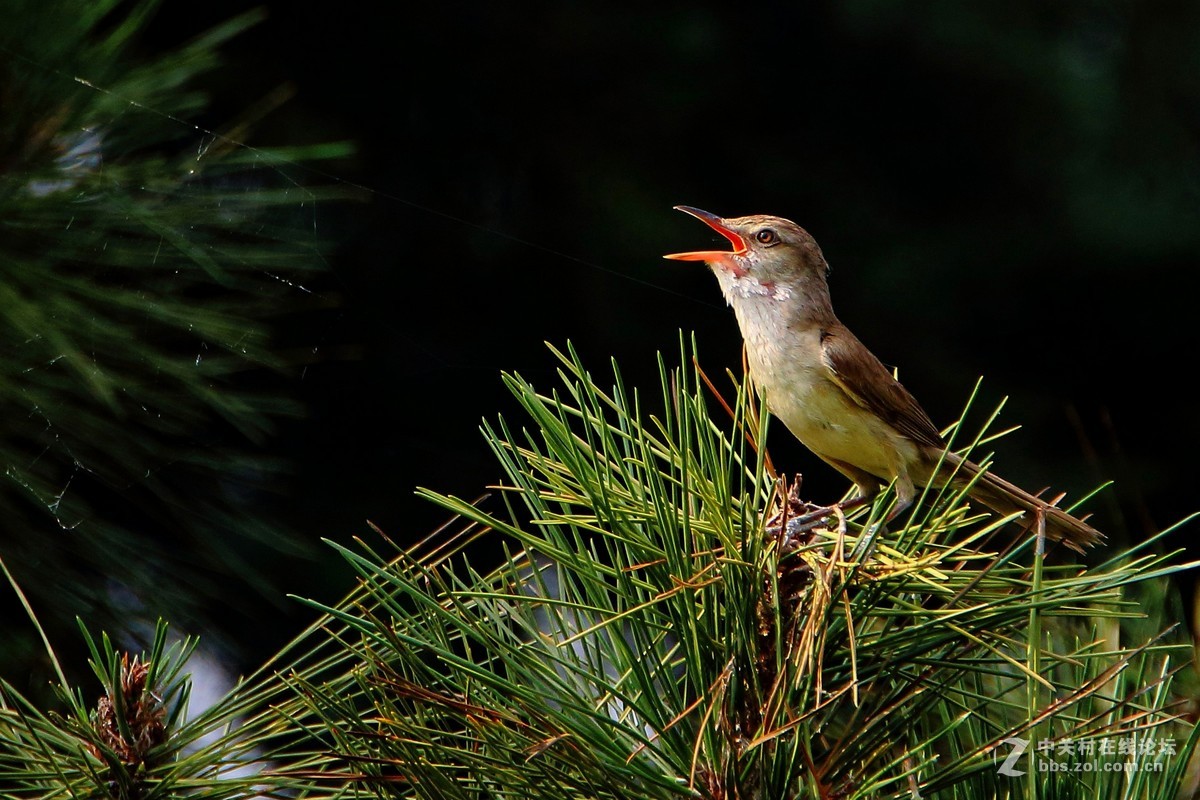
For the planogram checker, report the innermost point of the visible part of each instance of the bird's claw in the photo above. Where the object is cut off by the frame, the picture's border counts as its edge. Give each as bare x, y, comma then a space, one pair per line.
796, 518
807, 522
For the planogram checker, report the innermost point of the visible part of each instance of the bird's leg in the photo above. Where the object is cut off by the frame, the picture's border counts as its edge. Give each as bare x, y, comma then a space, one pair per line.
905, 494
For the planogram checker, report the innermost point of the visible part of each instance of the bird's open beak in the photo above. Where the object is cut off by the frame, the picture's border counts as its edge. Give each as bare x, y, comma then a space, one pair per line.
718, 225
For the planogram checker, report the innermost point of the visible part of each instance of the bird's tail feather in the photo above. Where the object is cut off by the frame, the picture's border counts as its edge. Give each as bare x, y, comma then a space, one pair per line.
1005, 498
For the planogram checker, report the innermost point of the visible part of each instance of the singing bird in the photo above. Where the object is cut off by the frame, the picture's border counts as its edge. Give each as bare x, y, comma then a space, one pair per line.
830, 391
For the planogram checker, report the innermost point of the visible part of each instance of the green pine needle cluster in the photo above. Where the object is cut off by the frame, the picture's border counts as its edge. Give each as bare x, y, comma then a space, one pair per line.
657, 632
655, 628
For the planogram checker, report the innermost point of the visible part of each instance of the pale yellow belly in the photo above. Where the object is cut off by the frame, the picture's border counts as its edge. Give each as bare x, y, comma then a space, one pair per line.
826, 421
786, 366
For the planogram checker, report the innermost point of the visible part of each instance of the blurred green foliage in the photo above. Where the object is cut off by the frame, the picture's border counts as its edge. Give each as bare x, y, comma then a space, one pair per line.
145, 268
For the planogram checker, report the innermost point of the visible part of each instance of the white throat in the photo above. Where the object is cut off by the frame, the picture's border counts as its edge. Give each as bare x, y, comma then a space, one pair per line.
761, 310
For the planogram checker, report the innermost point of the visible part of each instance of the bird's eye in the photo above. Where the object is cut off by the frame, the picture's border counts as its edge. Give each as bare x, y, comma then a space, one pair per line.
766, 236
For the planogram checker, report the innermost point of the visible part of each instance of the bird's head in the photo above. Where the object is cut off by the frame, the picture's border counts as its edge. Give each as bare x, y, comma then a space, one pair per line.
769, 253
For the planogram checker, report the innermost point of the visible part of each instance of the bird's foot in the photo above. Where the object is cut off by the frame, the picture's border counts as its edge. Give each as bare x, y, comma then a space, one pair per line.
818, 514
794, 519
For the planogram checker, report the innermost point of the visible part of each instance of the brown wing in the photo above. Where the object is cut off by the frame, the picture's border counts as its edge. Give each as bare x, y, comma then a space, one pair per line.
869, 383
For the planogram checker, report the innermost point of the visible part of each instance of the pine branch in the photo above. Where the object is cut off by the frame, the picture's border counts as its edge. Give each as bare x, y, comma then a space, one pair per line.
656, 633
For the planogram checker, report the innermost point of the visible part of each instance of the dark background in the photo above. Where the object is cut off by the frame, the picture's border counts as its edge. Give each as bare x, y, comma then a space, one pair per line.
1002, 189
